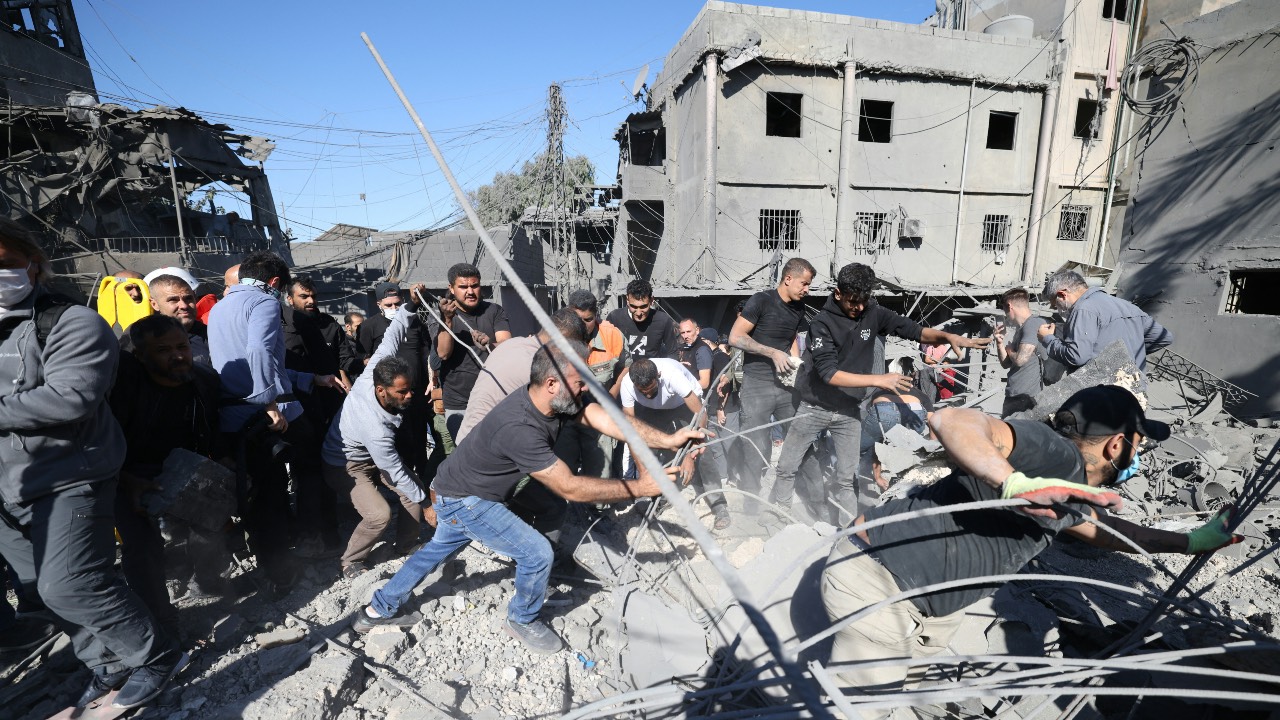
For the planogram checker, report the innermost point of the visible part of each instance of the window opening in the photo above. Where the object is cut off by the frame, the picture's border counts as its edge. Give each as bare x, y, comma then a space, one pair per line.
779, 229
1001, 129
995, 233
875, 121
1073, 223
782, 114
1252, 292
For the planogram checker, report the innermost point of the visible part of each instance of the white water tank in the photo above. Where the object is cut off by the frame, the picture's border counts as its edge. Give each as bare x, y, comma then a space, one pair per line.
1011, 26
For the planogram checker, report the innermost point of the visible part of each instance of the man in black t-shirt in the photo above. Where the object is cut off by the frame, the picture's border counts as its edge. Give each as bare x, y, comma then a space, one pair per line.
480, 325
766, 333
648, 332
1092, 443
693, 353
833, 381
516, 439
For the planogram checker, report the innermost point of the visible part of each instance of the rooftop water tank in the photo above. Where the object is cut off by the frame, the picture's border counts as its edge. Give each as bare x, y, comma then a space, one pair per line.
1012, 26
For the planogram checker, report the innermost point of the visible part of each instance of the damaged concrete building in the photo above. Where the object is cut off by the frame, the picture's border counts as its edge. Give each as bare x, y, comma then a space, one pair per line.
1200, 241
944, 158
109, 187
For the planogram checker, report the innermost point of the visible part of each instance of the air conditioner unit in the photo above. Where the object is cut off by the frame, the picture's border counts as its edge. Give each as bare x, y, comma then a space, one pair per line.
911, 228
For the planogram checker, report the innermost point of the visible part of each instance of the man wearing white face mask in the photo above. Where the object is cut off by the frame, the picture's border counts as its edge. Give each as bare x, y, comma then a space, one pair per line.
61, 450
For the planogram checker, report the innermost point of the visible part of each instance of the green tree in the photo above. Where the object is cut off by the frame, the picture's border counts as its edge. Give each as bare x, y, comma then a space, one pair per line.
504, 200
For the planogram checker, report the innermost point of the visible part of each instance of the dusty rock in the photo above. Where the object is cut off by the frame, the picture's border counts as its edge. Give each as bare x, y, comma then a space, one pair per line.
509, 674
280, 636
322, 690
385, 645
228, 630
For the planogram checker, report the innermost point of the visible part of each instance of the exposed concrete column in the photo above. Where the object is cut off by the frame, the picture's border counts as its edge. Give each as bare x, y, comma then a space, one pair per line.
844, 192
1040, 183
711, 76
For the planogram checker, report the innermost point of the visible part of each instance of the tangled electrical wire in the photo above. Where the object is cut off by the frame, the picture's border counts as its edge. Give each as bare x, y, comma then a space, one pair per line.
1174, 62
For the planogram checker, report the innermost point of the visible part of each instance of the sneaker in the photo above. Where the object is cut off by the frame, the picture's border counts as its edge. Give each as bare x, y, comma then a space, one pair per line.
535, 635
24, 634
100, 684
364, 623
723, 521
147, 682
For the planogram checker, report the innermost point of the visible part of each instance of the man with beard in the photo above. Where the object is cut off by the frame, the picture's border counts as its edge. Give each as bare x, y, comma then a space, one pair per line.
172, 296
162, 401
302, 300
1075, 460
476, 482
478, 324
414, 438
360, 452
648, 332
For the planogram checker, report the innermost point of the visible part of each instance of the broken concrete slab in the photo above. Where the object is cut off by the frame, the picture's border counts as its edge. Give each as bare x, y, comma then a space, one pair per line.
322, 690
662, 642
194, 489
1112, 366
280, 636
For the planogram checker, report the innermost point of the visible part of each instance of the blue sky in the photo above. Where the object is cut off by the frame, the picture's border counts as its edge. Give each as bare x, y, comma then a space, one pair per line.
477, 72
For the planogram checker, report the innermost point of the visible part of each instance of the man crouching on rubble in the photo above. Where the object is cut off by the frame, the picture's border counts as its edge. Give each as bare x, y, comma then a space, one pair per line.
1091, 444
517, 438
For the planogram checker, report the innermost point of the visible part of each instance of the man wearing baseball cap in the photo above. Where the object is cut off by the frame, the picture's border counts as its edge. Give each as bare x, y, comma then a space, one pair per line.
1066, 469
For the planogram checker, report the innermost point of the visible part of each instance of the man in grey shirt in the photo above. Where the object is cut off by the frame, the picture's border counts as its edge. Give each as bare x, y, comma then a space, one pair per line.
507, 368
1094, 321
1021, 355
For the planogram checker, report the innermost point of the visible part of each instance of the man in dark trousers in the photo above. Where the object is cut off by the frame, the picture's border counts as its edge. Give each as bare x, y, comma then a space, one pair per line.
61, 450
163, 401
313, 344
648, 332
1071, 463
766, 333
474, 485
833, 381
480, 326
414, 437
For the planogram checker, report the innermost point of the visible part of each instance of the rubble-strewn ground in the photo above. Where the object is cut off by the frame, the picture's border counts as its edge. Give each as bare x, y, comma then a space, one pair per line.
653, 610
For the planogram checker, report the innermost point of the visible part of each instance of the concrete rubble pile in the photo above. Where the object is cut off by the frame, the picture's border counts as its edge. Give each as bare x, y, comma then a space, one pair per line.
647, 611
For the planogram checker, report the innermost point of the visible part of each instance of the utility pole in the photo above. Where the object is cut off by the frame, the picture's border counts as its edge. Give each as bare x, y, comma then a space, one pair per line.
562, 240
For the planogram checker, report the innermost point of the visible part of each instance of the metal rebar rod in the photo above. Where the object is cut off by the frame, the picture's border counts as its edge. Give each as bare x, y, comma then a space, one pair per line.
713, 552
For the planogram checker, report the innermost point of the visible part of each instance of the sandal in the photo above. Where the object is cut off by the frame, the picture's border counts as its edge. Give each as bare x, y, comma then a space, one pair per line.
722, 522
354, 570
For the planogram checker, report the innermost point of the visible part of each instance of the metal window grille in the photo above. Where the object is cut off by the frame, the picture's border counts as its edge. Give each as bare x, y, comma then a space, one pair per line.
871, 232
995, 233
1073, 224
779, 229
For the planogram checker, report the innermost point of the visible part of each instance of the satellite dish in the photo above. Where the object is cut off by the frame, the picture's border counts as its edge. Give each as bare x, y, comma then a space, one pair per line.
637, 87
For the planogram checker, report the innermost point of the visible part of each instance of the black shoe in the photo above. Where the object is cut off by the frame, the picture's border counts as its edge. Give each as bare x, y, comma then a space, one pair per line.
25, 634
535, 635
101, 684
147, 682
364, 623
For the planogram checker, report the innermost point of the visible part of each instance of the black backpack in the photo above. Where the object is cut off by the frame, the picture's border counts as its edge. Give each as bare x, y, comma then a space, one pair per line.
48, 310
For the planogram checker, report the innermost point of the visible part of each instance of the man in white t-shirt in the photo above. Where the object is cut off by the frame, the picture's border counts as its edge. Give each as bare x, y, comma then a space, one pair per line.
664, 394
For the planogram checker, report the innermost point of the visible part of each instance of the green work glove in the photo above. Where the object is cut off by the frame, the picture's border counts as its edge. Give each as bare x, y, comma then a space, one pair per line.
1051, 491
1213, 535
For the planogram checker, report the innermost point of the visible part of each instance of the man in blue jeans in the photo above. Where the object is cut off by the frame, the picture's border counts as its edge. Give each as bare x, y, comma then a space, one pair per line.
833, 381
516, 439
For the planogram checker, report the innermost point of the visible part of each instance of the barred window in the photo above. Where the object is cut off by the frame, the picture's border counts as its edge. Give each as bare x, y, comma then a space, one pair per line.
871, 232
779, 229
1073, 224
995, 233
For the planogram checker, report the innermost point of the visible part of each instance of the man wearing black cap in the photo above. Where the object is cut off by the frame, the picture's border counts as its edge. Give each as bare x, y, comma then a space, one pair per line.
1091, 444
414, 437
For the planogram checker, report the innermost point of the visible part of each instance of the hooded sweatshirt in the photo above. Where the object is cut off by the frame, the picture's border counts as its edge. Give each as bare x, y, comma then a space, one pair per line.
838, 342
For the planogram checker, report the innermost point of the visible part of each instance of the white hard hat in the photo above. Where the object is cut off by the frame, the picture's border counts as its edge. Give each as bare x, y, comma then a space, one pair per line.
177, 272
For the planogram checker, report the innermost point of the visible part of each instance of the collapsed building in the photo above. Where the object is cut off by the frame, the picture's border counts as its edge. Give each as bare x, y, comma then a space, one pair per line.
108, 187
